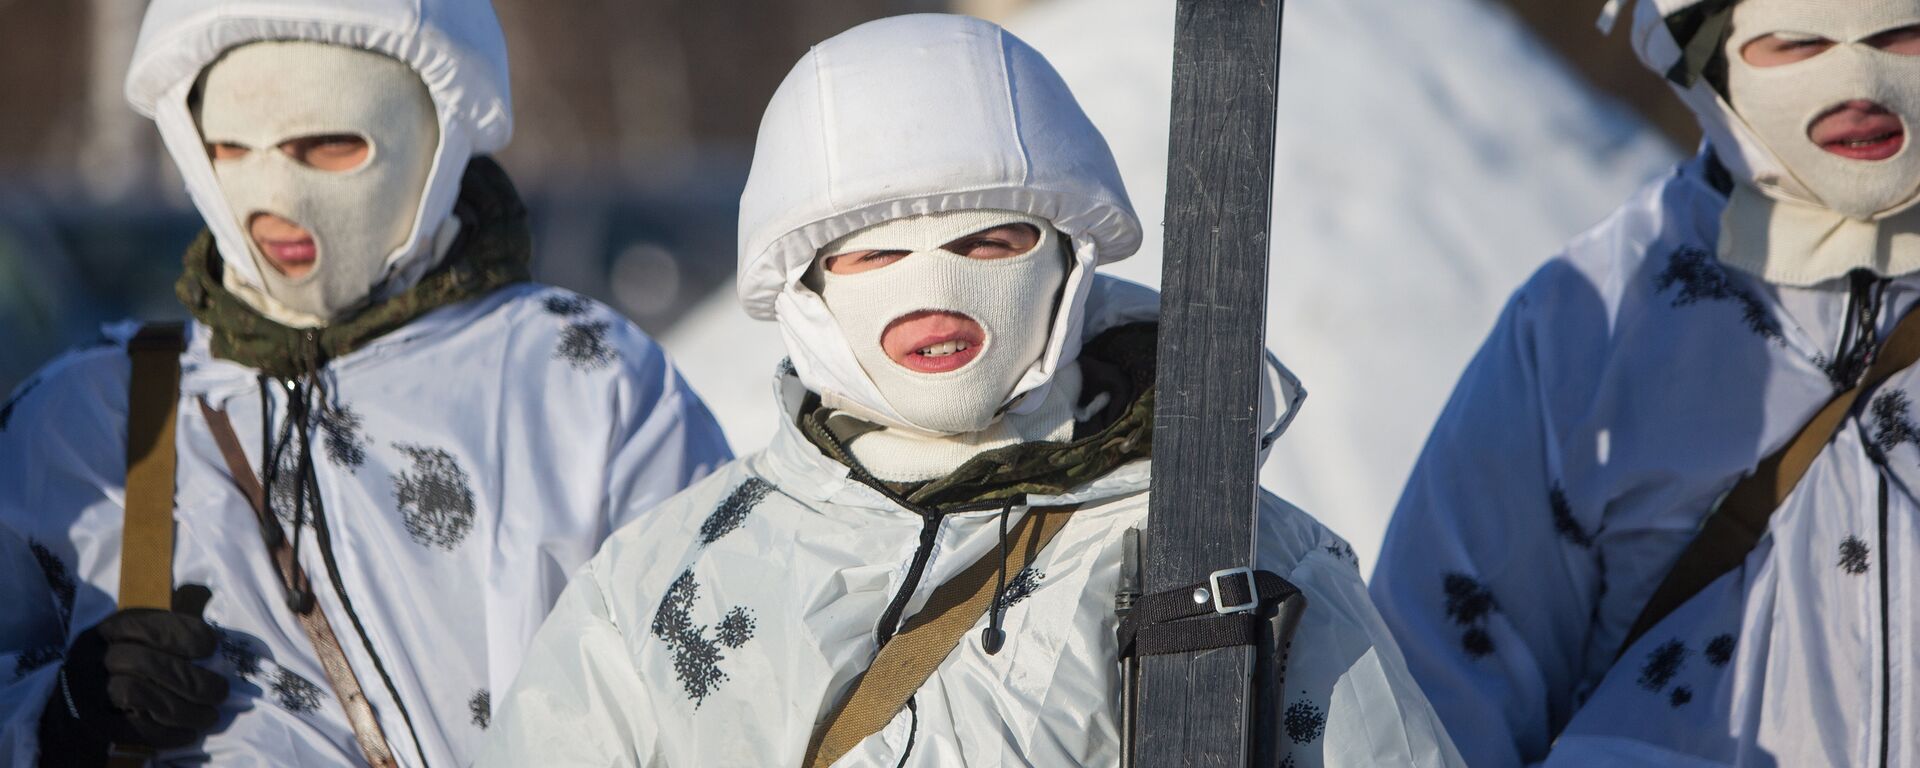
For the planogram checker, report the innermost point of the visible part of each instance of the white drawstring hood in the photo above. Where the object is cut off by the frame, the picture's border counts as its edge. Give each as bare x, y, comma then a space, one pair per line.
455, 46
914, 115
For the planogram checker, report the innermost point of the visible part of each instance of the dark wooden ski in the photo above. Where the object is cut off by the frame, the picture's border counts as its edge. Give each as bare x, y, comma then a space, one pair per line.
1194, 708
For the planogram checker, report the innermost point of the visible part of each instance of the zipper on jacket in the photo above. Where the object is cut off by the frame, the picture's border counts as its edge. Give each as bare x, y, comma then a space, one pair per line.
1859, 329
1886, 635
929, 531
890, 619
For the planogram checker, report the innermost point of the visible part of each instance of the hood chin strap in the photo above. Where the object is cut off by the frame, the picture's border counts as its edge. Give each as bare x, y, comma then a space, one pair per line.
491, 251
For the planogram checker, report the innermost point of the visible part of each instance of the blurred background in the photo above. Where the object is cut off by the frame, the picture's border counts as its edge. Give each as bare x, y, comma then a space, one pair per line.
1430, 156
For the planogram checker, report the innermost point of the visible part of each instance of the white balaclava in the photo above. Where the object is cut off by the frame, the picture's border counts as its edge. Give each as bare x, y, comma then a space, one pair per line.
1810, 215
262, 95
1012, 298
1781, 103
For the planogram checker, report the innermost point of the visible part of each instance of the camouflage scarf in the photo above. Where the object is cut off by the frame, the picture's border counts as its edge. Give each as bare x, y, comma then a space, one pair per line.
492, 251
1119, 362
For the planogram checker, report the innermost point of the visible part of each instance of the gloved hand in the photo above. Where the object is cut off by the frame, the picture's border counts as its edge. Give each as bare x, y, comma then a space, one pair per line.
131, 680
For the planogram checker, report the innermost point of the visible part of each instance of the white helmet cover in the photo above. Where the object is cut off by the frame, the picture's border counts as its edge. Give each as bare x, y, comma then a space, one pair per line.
455, 45
909, 115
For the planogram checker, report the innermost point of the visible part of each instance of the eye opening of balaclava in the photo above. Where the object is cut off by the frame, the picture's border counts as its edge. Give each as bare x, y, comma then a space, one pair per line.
998, 314
264, 95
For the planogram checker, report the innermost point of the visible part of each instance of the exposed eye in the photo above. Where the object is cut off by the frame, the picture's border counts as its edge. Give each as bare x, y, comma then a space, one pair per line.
328, 152
855, 262
1904, 41
1783, 48
999, 242
226, 150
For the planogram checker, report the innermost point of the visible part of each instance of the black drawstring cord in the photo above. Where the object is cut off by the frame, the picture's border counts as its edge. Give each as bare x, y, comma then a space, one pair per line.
299, 411
299, 599
993, 637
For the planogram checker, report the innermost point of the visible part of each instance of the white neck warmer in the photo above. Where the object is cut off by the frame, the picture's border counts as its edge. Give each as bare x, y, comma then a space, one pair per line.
1829, 214
262, 95
904, 456
1013, 300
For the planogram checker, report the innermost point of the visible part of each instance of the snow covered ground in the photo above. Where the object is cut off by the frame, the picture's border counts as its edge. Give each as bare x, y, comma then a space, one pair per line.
1430, 155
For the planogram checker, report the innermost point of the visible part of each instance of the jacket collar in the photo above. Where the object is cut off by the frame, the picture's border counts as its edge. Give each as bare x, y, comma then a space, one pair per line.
793, 462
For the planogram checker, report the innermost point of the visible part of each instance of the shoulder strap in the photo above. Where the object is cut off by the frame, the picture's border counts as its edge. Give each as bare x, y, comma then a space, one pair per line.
906, 661
1735, 527
153, 403
146, 530
333, 659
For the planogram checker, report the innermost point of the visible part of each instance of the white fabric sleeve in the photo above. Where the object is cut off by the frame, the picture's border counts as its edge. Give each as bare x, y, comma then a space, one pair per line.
578, 699
1349, 699
665, 440
1492, 612
41, 439
31, 640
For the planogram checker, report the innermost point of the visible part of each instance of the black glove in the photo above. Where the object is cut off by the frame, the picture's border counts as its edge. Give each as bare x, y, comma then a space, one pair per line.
132, 680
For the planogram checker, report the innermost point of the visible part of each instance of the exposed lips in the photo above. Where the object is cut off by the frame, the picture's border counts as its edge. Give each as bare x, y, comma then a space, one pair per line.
933, 342
290, 252
1859, 130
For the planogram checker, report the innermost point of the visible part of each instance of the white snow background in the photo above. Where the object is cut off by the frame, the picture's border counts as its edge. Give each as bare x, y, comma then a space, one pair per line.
1430, 155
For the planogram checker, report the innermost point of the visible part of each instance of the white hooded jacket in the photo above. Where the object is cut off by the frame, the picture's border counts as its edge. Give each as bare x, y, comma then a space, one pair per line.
1627, 386
722, 632
468, 461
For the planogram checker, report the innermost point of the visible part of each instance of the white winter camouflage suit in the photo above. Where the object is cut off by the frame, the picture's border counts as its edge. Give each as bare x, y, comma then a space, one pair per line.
468, 461
1628, 385
721, 631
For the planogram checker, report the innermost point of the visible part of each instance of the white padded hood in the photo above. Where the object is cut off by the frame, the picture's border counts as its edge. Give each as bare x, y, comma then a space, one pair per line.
1744, 155
455, 45
909, 115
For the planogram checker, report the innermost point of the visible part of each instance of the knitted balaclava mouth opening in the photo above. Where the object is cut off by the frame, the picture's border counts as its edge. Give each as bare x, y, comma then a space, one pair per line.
263, 95
1000, 311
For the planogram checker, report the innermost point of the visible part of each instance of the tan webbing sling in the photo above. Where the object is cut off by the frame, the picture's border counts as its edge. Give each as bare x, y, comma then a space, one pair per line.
925, 640
153, 405
1735, 527
333, 659
146, 533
